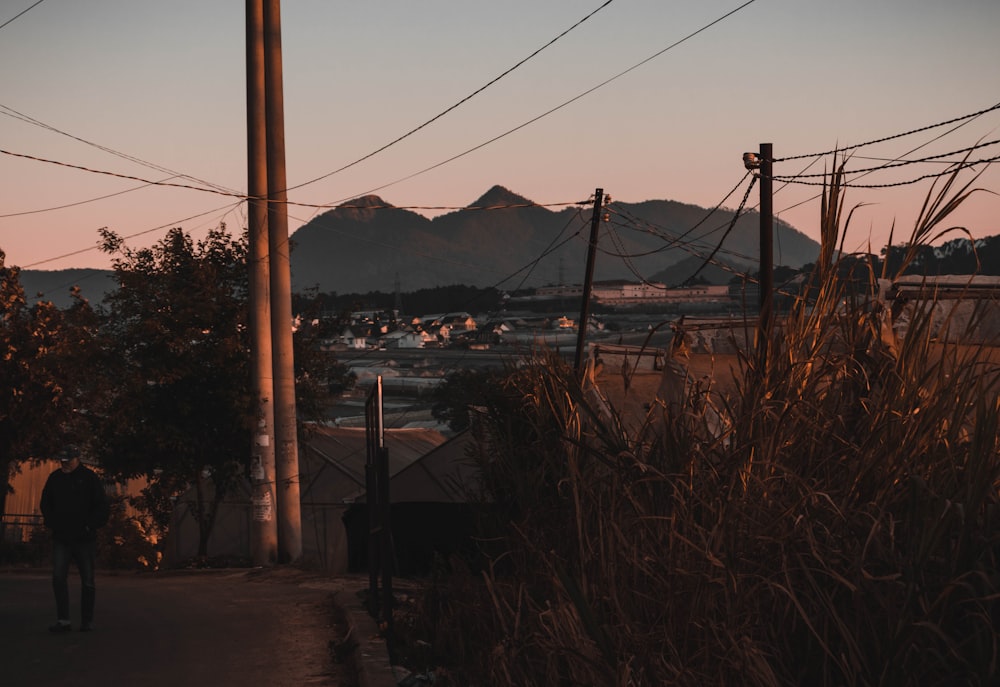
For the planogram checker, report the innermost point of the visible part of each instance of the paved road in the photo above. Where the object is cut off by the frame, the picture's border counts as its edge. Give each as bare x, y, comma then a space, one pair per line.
195, 629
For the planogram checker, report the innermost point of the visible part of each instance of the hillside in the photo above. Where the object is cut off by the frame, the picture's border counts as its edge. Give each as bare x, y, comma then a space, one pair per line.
369, 248
57, 285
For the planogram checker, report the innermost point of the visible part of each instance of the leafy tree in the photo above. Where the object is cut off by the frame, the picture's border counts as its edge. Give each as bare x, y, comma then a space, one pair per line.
319, 376
463, 389
44, 376
176, 344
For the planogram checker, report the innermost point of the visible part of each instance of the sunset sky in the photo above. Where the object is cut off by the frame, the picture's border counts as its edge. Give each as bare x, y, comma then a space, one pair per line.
163, 85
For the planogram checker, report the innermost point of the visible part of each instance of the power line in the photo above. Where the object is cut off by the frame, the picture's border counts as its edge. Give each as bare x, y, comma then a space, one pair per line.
453, 107
557, 107
963, 121
736, 216
931, 175
14, 114
81, 202
21, 13
241, 196
893, 136
229, 208
890, 164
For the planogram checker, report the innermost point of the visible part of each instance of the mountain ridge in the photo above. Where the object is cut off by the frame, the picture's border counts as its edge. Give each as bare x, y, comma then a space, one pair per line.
504, 240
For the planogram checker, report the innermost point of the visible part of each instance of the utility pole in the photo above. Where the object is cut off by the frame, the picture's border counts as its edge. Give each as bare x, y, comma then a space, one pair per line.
264, 544
286, 449
588, 281
766, 251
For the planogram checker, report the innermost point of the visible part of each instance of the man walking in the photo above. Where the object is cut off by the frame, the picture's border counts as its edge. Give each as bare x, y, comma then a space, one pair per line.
74, 505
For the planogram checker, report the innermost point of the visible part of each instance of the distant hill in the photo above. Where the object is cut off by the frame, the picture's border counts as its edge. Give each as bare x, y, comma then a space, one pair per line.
368, 247
57, 285
371, 246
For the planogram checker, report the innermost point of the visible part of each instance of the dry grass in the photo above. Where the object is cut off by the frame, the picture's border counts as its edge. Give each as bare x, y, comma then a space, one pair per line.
839, 526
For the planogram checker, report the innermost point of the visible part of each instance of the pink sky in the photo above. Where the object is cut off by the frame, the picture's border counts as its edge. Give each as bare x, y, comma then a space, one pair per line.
164, 83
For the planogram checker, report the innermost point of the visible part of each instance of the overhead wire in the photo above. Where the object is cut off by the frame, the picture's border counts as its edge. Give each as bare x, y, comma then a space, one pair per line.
891, 164
557, 242
14, 114
21, 13
79, 202
221, 191
910, 132
161, 227
242, 196
455, 106
907, 182
958, 121
551, 110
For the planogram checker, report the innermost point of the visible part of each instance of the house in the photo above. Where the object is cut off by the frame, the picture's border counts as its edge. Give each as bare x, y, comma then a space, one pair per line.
403, 339
353, 337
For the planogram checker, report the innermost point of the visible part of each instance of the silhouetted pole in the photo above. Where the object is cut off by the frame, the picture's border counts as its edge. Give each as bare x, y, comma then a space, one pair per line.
286, 450
264, 541
766, 250
588, 281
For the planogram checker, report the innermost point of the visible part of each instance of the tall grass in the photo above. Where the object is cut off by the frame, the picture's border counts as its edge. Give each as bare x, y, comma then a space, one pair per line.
843, 528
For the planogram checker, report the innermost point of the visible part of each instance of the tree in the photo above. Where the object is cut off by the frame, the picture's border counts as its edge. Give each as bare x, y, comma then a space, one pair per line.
319, 375
44, 378
463, 389
176, 343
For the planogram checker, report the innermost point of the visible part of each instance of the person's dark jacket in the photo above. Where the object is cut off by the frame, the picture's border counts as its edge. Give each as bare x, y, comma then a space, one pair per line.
75, 505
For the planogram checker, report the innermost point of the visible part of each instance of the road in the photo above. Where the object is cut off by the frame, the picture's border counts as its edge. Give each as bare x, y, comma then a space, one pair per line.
194, 629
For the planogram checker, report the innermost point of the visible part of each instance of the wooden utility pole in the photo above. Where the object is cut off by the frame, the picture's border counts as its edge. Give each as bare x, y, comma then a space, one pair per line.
588, 281
766, 250
264, 543
286, 449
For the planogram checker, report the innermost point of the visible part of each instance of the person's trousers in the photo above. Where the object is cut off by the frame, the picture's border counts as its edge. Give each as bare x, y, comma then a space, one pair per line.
85, 555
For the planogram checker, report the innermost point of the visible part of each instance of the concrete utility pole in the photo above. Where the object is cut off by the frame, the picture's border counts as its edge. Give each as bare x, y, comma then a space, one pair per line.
264, 543
287, 449
766, 249
588, 281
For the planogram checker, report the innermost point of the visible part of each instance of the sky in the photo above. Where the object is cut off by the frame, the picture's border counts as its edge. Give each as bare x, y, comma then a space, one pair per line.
156, 90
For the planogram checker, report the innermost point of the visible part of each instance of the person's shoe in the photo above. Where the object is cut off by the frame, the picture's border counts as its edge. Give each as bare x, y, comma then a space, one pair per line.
86, 627
61, 627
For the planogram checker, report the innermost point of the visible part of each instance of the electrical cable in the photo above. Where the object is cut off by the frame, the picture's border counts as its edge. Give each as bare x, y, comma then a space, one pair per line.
14, 114
932, 175
672, 242
890, 164
682, 236
453, 107
894, 136
21, 13
963, 121
732, 224
169, 225
553, 245
241, 196
552, 110
80, 202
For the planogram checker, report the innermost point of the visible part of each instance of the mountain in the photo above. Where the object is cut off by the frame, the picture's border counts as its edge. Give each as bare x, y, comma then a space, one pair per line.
57, 285
364, 248
497, 241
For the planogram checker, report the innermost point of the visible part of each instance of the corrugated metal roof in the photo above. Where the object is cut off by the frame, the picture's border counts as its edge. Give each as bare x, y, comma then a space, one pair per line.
333, 459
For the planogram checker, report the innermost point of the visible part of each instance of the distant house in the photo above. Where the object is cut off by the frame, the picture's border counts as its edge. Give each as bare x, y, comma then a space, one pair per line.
403, 339
962, 307
459, 322
353, 337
